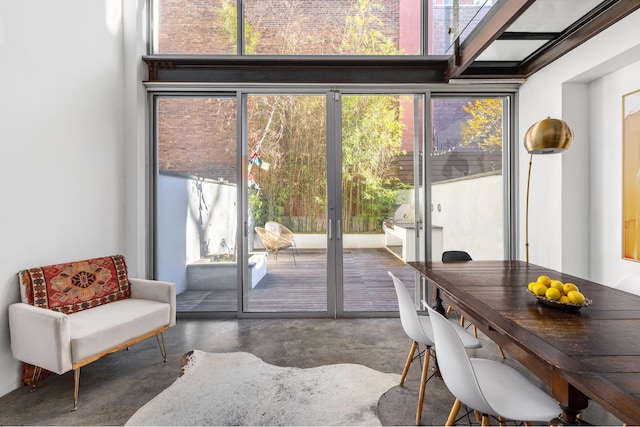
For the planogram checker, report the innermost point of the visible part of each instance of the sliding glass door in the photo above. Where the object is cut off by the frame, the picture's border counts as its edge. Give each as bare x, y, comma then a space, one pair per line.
287, 258
196, 184
300, 203
332, 194
381, 193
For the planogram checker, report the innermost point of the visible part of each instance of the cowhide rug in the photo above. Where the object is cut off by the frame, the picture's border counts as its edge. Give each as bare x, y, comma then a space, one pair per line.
240, 389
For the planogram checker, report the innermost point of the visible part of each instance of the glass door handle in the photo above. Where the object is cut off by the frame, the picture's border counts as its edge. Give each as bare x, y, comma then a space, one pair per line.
329, 230
339, 230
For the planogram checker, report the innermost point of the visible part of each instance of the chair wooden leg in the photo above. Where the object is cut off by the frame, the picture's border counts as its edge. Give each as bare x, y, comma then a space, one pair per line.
454, 413
502, 352
475, 331
449, 311
462, 321
423, 383
485, 421
414, 346
163, 349
405, 371
76, 386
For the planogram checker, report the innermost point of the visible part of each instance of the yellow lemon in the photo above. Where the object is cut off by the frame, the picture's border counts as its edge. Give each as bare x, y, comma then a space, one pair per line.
556, 284
576, 297
531, 285
553, 294
565, 299
568, 287
544, 280
539, 289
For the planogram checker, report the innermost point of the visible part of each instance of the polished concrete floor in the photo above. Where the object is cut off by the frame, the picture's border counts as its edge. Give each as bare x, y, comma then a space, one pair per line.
114, 387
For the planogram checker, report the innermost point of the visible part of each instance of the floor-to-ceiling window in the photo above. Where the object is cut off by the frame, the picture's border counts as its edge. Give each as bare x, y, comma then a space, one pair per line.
343, 172
284, 186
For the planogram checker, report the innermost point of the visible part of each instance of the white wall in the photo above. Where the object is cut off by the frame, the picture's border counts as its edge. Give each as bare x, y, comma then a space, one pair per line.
606, 94
136, 193
575, 222
172, 237
469, 210
61, 141
178, 221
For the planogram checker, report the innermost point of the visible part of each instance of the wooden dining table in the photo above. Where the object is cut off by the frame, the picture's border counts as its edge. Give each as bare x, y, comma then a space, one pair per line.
590, 353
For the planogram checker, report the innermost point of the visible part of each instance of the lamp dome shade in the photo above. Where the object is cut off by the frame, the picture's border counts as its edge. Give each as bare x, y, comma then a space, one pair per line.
548, 136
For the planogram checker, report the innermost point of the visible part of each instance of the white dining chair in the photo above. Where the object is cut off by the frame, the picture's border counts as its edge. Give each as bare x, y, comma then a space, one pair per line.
487, 386
419, 330
629, 283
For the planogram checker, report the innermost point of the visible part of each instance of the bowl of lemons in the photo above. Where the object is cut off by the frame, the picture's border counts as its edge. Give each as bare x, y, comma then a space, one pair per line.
556, 294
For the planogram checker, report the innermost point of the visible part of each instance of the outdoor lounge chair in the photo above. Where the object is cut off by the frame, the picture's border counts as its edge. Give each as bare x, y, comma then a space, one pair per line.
282, 231
276, 239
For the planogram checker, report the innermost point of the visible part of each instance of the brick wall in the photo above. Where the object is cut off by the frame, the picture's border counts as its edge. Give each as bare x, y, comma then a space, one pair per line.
313, 27
197, 136
310, 26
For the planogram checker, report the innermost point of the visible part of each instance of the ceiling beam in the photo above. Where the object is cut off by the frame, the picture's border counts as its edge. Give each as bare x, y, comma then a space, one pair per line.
511, 35
492, 26
295, 69
599, 19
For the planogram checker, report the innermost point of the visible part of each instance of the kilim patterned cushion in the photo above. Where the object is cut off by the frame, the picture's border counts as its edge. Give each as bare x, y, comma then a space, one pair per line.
76, 286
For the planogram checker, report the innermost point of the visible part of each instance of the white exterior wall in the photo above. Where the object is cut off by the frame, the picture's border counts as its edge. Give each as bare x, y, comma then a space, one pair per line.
472, 223
576, 213
61, 141
179, 214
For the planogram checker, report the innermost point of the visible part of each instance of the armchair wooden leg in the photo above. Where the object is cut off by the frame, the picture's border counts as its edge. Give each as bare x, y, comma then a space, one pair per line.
414, 346
163, 349
423, 383
76, 386
454, 413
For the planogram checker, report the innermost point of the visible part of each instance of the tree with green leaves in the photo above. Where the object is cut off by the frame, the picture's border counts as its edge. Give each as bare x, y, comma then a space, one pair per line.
363, 34
483, 128
226, 23
288, 133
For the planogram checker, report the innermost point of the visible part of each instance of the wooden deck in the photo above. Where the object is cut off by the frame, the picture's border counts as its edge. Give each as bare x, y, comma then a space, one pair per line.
302, 287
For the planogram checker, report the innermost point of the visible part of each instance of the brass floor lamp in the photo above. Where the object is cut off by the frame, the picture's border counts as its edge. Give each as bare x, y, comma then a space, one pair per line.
548, 136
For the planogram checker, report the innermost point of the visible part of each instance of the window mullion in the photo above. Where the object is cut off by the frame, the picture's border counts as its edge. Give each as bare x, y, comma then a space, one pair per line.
240, 26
